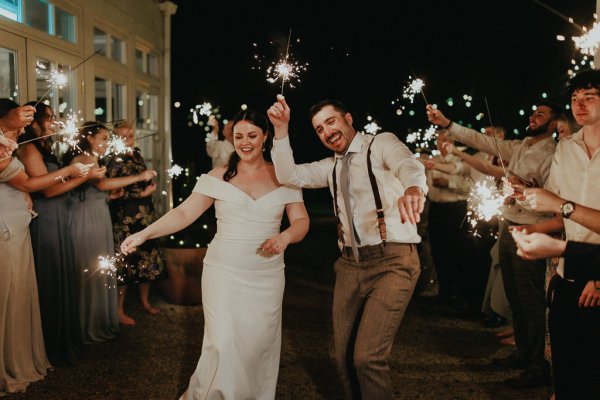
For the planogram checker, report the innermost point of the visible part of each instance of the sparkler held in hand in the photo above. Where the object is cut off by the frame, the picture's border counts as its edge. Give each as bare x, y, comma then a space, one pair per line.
58, 80
285, 69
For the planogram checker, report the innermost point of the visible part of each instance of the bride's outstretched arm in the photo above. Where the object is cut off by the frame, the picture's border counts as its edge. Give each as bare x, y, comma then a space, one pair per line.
173, 221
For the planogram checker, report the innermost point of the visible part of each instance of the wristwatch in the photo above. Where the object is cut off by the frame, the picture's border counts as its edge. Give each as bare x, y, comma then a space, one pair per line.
567, 209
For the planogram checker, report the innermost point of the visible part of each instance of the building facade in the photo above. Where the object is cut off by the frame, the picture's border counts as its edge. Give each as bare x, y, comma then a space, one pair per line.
115, 55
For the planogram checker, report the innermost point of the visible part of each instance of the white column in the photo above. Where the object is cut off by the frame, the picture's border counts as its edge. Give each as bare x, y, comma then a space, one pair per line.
168, 8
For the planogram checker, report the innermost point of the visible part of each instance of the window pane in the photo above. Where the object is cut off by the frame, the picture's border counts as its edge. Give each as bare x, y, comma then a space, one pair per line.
101, 90
146, 111
66, 27
118, 50
118, 102
8, 74
11, 9
100, 41
152, 64
61, 98
37, 14
140, 66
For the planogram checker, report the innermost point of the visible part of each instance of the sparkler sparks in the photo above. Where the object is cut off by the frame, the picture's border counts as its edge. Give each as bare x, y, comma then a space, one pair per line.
423, 139
485, 202
286, 69
372, 128
174, 171
116, 145
413, 87
589, 42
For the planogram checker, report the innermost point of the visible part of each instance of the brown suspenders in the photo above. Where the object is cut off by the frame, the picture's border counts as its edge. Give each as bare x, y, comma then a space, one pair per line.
376, 195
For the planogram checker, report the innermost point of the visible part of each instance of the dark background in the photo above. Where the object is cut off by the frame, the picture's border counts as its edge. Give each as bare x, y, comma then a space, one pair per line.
505, 51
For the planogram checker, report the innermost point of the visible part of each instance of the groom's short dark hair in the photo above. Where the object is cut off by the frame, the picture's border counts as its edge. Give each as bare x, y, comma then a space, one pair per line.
336, 104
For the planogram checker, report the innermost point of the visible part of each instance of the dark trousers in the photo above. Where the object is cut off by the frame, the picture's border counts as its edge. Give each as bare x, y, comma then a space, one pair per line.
369, 301
447, 234
575, 341
524, 286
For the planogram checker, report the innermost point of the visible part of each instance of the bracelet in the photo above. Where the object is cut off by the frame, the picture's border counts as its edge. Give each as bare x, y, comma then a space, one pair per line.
447, 126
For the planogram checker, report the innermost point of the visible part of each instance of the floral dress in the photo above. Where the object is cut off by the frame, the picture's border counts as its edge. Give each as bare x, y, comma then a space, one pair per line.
130, 214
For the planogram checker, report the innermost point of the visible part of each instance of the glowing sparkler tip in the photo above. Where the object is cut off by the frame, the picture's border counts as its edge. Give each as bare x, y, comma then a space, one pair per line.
174, 171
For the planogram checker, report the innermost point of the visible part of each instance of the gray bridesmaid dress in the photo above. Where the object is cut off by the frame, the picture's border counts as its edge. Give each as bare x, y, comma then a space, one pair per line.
56, 276
92, 235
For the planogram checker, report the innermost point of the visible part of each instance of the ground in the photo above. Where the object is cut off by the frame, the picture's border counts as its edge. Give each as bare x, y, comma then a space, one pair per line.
435, 356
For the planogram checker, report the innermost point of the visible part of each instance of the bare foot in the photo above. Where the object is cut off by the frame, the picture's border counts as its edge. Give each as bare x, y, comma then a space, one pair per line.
505, 333
126, 320
151, 310
508, 341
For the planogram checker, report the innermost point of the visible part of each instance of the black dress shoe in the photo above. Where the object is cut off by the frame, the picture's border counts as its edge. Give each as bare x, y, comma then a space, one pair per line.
528, 380
511, 362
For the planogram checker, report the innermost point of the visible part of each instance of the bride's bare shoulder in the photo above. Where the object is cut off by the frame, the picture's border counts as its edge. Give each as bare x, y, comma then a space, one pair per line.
218, 172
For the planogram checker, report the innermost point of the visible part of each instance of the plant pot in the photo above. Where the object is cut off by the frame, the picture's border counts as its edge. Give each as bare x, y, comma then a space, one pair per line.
184, 267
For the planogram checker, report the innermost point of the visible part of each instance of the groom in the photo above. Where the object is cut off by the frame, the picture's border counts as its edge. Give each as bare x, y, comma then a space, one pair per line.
378, 189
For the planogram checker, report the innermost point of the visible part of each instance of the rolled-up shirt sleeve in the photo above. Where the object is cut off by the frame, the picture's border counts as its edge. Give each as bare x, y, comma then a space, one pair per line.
402, 162
311, 175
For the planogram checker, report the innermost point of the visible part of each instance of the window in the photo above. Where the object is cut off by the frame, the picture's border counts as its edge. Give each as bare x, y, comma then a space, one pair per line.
152, 64
11, 9
8, 74
65, 25
146, 111
117, 50
100, 41
61, 98
111, 100
146, 63
38, 14
146, 124
42, 15
110, 46
118, 97
101, 99
140, 64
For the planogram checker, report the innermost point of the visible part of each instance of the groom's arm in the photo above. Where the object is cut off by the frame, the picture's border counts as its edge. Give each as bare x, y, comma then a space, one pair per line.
312, 175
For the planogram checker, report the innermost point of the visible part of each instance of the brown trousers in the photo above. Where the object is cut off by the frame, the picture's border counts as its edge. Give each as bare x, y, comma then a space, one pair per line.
369, 302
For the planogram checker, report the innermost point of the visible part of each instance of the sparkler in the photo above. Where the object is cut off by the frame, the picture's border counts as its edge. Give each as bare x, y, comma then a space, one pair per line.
371, 127
205, 109
107, 266
422, 138
589, 42
58, 80
487, 107
485, 202
174, 171
413, 87
285, 69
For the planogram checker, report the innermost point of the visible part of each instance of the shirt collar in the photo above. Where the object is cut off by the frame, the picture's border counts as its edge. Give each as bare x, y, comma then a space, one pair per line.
355, 146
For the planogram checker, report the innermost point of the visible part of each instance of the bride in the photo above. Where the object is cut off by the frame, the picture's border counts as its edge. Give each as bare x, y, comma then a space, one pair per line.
243, 277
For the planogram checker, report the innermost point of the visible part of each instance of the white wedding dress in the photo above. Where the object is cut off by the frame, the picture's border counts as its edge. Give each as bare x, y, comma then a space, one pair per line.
242, 293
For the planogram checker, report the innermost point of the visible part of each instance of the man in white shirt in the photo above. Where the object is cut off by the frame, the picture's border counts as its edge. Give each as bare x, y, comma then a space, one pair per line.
219, 150
524, 280
573, 190
379, 190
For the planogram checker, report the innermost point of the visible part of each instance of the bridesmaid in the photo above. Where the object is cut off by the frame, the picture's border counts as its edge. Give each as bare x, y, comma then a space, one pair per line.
51, 242
22, 355
132, 212
92, 235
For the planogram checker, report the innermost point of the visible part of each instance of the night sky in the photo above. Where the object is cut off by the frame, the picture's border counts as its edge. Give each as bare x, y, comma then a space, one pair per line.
505, 51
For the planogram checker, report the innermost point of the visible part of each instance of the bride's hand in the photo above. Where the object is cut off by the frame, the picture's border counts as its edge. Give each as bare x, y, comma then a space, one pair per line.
131, 242
277, 244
